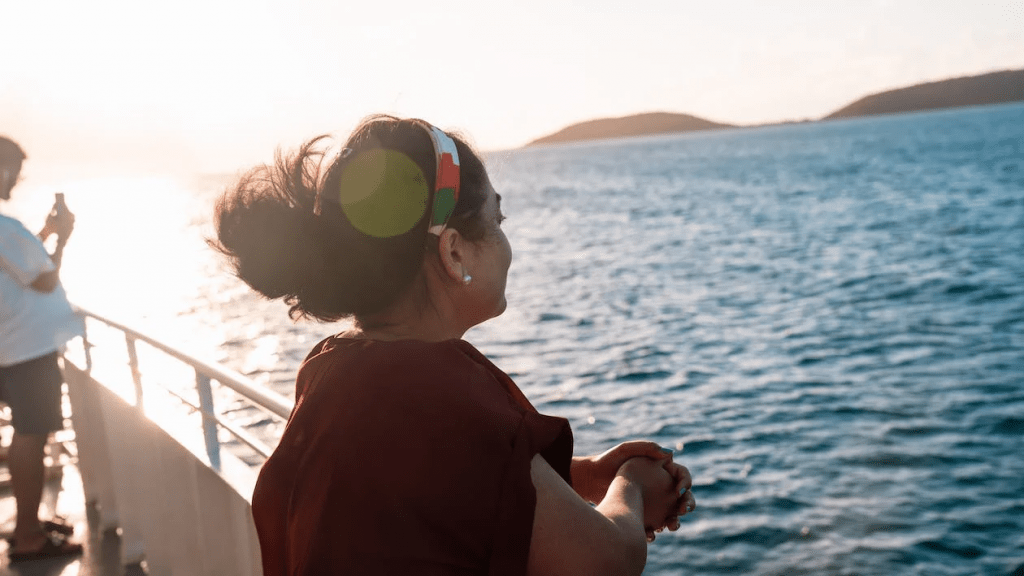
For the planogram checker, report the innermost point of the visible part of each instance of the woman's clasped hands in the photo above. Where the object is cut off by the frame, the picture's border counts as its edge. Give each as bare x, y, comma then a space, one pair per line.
666, 484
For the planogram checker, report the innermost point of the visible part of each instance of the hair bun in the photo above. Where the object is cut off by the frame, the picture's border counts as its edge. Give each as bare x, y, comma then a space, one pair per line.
273, 268
293, 231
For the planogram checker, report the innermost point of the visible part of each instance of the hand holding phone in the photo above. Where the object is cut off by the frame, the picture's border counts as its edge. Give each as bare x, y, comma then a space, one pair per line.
60, 220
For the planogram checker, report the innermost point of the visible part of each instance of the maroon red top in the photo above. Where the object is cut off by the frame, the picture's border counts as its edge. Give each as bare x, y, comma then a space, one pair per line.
404, 458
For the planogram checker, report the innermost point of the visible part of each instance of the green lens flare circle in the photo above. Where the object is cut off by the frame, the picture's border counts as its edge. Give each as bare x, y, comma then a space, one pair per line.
383, 193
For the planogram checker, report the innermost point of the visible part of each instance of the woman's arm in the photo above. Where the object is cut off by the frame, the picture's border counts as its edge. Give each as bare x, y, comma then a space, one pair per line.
571, 537
591, 475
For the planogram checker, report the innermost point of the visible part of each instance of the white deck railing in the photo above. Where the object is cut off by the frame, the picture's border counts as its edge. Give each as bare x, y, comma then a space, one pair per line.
151, 453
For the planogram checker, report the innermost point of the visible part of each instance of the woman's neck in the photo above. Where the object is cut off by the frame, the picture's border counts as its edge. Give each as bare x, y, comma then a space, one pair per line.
425, 311
423, 324
395, 333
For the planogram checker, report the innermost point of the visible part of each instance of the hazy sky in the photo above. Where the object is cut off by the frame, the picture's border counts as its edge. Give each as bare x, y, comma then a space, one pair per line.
216, 85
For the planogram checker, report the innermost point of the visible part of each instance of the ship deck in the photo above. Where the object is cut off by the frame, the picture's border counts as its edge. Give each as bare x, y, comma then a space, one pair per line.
63, 496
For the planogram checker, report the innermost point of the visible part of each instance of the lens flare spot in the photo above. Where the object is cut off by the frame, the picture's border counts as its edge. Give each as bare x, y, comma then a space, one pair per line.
383, 193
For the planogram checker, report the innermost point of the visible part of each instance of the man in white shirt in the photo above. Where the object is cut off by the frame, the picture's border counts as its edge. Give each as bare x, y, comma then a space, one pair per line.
36, 321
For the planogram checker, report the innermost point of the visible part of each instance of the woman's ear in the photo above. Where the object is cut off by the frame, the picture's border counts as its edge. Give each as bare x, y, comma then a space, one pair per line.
452, 250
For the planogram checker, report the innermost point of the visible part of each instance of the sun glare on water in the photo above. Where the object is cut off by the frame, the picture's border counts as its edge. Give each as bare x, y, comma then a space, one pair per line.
137, 254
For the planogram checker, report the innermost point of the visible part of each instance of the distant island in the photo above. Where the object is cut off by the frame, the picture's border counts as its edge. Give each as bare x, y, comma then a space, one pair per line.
636, 125
990, 88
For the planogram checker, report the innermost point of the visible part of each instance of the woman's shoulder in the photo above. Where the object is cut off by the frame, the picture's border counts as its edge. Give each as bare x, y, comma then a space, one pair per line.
398, 355
411, 367
445, 390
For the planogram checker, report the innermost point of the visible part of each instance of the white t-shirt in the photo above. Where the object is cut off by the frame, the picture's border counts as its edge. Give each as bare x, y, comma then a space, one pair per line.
32, 323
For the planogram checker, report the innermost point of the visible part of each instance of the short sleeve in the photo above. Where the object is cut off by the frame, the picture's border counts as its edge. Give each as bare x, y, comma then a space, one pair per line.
22, 255
549, 436
537, 434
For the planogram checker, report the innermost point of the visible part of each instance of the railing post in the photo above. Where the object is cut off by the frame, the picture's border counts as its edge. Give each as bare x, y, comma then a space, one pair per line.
209, 419
86, 348
133, 363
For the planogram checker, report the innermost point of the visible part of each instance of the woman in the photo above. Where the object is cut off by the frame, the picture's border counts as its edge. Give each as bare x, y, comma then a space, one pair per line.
407, 450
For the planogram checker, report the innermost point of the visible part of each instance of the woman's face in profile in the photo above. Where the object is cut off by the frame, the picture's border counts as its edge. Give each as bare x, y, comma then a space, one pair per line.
493, 256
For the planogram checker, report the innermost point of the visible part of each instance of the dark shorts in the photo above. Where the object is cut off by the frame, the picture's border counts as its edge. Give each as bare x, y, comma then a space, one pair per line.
32, 390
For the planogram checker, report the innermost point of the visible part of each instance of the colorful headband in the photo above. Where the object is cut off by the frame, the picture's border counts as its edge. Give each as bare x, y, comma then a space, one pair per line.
383, 192
446, 183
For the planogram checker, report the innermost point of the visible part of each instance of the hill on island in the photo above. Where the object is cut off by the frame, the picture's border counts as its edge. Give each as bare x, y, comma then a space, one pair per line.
635, 125
991, 88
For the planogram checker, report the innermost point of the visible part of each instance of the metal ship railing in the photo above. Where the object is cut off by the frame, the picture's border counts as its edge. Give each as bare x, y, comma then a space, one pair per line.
159, 456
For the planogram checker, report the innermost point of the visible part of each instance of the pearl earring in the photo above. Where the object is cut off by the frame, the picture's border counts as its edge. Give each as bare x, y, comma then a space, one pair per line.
466, 278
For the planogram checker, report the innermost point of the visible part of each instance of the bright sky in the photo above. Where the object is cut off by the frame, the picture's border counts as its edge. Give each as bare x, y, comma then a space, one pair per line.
216, 85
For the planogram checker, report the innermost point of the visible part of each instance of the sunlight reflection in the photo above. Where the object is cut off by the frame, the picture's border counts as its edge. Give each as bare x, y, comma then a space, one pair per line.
128, 248
138, 253
264, 357
72, 569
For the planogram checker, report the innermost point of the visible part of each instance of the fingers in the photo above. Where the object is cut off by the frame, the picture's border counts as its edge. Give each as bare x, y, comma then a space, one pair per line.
680, 475
684, 505
643, 448
687, 503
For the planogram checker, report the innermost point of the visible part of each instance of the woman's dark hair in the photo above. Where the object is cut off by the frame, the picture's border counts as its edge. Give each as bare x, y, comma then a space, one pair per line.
286, 243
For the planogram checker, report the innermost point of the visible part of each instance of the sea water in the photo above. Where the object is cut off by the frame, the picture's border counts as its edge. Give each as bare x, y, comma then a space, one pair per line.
824, 320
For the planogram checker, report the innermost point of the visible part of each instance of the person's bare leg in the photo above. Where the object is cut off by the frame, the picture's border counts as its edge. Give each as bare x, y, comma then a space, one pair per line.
25, 461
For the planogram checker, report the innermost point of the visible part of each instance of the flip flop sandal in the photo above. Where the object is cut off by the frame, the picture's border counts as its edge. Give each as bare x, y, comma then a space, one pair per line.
52, 548
58, 527
51, 527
